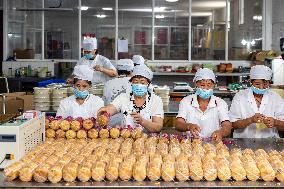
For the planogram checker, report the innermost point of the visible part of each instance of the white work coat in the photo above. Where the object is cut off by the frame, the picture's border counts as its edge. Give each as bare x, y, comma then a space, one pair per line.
69, 107
124, 104
244, 106
208, 121
98, 77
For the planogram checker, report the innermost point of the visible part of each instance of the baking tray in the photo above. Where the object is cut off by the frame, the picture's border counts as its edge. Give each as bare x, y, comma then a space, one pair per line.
267, 144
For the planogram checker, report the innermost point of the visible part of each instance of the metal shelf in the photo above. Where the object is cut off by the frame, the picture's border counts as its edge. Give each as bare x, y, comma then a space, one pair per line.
192, 74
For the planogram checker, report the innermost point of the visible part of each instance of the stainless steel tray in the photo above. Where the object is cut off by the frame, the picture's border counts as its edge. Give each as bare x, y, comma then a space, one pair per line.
267, 144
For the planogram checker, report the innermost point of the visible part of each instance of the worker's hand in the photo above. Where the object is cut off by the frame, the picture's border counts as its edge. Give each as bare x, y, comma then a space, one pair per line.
137, 117
269, 122
69, 80
102, 111
99, 68
217, 135
194, 130
258, 118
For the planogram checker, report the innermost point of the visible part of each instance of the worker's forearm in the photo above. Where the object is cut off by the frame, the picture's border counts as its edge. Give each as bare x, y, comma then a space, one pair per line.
226, 128
109, 72
279, 124
151, 126
241, 124
111, 109
182, 126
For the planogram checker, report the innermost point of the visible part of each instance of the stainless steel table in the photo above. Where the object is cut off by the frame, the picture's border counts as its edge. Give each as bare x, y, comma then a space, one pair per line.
267, 144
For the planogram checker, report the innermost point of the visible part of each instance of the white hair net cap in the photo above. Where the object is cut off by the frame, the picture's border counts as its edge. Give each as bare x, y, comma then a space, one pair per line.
143, 70
260, 72
125, 64
83, 72
204, 73
89, 44
138, 59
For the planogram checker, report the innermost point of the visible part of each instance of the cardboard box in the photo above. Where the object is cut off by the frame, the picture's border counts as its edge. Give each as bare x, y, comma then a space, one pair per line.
16, 100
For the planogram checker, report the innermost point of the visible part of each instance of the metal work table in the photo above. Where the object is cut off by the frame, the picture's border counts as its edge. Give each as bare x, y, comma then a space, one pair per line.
267, 144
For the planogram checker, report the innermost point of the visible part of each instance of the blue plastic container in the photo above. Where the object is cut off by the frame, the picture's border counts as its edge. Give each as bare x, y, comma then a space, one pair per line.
47, 82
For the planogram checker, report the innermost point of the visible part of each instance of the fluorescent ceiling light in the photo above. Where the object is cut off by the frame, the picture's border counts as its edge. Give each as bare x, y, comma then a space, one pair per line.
205, 13
156, 9
107, 8
199, 25
84, 8
209, 4
171, 1
160, 16
101, 16
252, 42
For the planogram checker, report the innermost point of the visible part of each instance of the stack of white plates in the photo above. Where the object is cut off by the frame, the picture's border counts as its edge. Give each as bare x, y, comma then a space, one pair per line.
97, 90
42, 98
164, 93
58, 94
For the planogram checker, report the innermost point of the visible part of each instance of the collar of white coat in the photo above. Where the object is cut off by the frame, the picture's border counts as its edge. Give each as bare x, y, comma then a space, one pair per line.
132, 97
212, 102
264, 101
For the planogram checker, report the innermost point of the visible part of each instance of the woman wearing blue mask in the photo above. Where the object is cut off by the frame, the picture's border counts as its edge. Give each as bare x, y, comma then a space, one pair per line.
82, 103
203, 114
257, 112
140, 107
104, 70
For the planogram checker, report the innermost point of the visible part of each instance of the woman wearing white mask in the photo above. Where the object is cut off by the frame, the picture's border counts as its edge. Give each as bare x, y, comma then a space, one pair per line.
104, 70
140, 106
257, 112
82, 103
203, 114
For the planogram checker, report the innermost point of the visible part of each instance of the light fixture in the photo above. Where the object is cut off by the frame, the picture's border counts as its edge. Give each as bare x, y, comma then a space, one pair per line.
10, 35
171, 1
199, 25
101, 16
257, 17
84, 8
107, 8
159, 9
243, 42
252, 42
160, 16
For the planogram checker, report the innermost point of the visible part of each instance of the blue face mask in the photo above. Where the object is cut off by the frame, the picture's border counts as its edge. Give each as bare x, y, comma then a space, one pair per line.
258, 91
203, 93
81, 94
88, 56
139, 89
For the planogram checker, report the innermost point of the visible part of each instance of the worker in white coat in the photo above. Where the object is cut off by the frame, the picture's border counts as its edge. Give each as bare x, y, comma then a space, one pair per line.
121, 84
257, 112
82, 103
202, 114
103, 68
138, 60
140, 107
117, 86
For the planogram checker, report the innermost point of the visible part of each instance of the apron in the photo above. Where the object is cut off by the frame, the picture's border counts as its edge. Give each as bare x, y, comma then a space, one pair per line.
145, 113
205, 121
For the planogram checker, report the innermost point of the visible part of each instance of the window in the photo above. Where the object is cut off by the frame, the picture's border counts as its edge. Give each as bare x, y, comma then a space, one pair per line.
208, 21
61, 29
24, 29
247, 37
135, 28
171, 30
98, 19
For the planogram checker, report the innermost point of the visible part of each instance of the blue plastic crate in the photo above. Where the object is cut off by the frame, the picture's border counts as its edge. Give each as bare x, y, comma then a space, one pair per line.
47, 82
